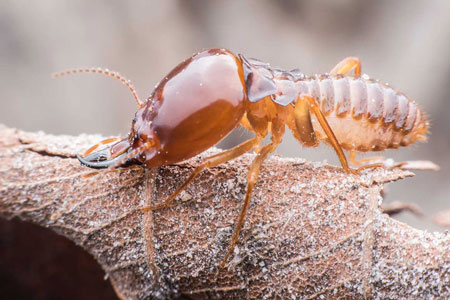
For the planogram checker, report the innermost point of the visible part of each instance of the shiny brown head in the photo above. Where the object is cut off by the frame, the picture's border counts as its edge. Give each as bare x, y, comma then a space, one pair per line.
195, 106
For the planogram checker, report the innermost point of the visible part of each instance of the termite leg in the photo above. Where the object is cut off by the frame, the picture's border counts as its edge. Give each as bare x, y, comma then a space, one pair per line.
138, 175
329, 132
251, 179
304, 128
362, 161
343, 67
209, 162
347, 65
126, 182
371, 166
246, 124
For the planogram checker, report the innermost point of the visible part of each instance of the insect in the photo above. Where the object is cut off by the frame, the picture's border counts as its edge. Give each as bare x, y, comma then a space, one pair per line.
209, 94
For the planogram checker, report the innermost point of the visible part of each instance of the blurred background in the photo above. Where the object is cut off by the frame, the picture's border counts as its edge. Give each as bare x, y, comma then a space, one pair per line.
405, 43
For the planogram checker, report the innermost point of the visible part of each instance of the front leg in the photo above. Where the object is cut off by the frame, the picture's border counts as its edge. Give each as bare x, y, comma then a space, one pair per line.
209, 162
251, 180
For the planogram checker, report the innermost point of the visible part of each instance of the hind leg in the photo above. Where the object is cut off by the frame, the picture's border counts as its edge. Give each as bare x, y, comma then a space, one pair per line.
361, 162
330, 134
345, 66
365, 163
332, 138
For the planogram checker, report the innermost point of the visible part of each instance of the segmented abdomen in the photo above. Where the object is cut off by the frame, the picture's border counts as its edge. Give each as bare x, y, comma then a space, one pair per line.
365, 115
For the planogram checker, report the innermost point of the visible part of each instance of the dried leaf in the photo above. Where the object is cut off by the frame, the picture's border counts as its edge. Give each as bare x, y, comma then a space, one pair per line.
312, 230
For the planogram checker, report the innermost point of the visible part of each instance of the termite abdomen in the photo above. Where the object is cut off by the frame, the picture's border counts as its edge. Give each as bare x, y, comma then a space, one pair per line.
365, 115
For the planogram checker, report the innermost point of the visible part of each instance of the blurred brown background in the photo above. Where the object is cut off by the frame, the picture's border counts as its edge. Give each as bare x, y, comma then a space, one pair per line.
405, 43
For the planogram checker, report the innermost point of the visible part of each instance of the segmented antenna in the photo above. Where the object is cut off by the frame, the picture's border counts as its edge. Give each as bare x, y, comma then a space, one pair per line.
106, 72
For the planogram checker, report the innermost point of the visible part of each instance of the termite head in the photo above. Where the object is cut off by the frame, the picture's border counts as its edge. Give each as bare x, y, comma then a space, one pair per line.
142, 139
116, 152
196, 105
137, 148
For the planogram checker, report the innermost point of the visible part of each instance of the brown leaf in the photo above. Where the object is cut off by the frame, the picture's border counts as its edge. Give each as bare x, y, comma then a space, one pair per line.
312, 230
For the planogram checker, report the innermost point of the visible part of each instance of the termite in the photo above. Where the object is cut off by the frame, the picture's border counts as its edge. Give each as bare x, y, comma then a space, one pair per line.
209, 94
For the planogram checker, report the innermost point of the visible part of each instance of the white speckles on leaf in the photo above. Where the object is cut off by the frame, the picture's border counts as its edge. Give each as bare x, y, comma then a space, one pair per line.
316, 233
